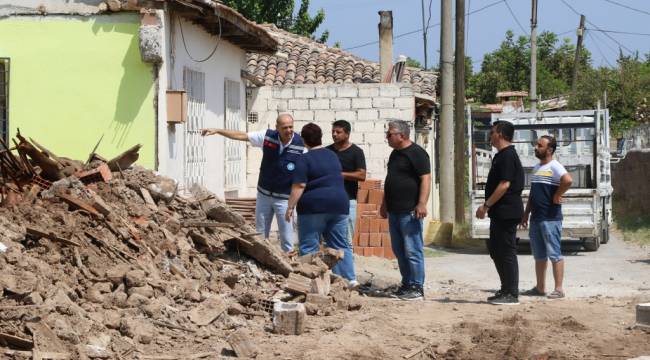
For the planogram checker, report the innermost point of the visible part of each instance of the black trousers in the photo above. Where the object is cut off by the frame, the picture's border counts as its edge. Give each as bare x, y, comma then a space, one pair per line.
502, 246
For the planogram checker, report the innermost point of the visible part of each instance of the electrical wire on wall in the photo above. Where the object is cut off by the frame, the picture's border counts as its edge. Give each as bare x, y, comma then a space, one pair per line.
180, 25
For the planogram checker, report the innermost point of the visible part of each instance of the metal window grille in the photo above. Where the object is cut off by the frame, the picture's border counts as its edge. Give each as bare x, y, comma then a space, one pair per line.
4, 98
234, 166
195, 159
253, 117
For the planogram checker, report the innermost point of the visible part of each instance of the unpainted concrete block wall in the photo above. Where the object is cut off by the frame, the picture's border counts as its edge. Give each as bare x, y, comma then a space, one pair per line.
365, 106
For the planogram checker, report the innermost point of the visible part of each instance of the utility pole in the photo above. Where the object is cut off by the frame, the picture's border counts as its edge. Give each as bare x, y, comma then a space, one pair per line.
447, 208
533, 58
576, 61
459, 114
424, 36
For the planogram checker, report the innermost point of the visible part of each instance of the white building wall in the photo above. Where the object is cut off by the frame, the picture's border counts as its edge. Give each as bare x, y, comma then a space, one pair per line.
365, 106
225, 63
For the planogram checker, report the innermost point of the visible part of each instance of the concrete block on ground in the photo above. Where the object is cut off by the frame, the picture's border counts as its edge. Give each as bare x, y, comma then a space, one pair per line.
288, 318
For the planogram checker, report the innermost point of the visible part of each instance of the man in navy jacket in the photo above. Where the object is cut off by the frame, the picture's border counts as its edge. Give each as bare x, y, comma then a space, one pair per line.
281, 149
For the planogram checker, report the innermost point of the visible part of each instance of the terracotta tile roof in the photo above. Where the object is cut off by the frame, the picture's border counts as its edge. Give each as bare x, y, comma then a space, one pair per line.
301, 60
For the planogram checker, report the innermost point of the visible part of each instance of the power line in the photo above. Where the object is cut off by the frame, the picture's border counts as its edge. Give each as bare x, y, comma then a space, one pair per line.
419, 30
598, 27
615, 51
514, 17
598, 47
628, 7
621, 32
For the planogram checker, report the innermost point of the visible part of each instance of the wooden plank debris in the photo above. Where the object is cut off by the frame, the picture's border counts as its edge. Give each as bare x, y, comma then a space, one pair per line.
51, 236
148, 199
16, 342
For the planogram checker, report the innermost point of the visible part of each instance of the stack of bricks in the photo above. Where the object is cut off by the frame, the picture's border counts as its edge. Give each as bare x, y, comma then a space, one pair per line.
371, 236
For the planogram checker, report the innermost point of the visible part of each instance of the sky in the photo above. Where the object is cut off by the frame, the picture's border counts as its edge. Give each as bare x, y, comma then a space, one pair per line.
354, 23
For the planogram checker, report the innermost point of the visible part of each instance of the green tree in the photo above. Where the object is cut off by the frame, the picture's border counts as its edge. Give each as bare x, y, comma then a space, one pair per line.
281, 13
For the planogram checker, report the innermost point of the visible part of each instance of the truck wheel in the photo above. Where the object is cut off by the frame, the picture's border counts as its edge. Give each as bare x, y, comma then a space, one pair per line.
591, 244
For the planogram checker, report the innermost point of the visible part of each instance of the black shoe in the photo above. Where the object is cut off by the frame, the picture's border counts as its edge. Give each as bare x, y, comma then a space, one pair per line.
505, 299
496, 295
533, 292
414, 293
400, 291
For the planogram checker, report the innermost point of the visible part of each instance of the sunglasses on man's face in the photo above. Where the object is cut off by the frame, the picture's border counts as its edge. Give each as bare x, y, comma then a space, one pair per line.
389, 134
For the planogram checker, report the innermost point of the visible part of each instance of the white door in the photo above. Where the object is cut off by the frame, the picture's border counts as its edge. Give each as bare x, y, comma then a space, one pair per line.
234, 149
195, 160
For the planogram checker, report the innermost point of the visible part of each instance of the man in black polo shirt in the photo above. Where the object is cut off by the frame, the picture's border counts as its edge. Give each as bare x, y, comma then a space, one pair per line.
353, 163
505, 208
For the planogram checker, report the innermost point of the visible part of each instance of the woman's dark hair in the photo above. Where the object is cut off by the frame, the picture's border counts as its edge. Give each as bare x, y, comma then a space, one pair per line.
312, 135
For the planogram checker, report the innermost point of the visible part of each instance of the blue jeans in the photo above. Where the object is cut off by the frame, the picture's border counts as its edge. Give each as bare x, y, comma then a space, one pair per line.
334, 228
352, 218
265, 207
545, 240
408, 246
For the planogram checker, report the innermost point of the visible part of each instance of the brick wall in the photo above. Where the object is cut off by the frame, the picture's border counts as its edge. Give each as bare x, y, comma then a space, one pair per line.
371, 236
365, 106
631, 185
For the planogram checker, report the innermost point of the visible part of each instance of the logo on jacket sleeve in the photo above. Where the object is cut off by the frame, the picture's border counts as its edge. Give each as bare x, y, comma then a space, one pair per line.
291, 166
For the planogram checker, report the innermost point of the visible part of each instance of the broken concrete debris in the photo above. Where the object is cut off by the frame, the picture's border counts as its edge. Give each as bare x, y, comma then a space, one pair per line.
106, 260
288, 318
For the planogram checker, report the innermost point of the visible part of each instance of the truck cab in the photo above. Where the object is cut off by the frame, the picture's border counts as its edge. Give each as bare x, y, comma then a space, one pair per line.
582, 147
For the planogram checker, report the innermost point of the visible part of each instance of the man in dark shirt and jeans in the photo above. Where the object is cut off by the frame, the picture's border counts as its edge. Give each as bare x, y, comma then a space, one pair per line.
353, 163
504, 206
406, 192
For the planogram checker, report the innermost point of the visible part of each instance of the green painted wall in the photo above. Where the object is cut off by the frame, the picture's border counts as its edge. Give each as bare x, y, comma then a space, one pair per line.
75, 78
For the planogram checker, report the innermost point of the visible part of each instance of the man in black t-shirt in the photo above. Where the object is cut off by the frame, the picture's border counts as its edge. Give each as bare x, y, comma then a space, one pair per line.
406, 192
353, 163
504, 207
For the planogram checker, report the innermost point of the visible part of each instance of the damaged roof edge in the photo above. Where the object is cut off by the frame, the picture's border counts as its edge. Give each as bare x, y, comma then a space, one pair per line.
254, 37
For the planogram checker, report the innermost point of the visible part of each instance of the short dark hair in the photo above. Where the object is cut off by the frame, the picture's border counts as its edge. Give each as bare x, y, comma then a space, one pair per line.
505, 128
312, 135
552, 143
343, 124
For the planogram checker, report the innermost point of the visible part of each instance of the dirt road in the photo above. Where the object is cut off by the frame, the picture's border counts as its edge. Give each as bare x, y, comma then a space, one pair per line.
594, 321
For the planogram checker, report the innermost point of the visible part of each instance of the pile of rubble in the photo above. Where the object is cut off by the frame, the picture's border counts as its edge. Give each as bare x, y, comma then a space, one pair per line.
105, 260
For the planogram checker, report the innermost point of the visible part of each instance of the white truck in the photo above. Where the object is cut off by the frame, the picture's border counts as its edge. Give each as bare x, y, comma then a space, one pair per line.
583, 147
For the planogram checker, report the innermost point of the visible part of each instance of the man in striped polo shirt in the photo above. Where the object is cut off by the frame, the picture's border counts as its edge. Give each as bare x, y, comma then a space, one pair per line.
549, 182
